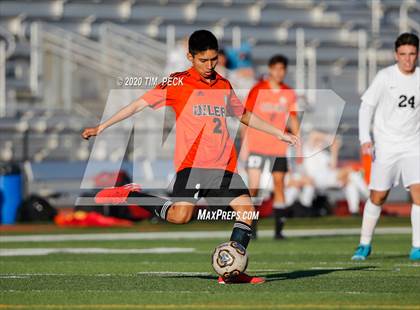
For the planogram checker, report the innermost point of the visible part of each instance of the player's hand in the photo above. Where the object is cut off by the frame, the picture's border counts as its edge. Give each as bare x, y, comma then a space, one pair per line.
367, 148
290, 139
91, 132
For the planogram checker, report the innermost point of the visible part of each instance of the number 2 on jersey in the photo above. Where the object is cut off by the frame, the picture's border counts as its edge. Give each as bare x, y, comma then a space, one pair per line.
217, 128
403, 101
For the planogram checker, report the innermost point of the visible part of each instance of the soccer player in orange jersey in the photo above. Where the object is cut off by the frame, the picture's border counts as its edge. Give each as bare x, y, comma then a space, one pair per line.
274, 102
205, 157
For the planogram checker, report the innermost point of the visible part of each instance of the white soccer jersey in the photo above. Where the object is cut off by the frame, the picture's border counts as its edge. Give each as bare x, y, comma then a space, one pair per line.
396, 97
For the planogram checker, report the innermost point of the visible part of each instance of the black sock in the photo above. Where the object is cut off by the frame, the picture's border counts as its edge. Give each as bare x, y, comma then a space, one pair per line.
157, 205
241, 233
279, 219
254, 227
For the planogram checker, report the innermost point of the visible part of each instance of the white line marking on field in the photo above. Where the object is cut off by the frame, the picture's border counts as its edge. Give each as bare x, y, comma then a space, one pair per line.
141, 273
35, 274
196, 235
172, 273
46, 251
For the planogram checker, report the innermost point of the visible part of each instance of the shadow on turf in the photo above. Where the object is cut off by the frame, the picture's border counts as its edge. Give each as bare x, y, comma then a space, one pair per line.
309, 273
285, 275
398, 256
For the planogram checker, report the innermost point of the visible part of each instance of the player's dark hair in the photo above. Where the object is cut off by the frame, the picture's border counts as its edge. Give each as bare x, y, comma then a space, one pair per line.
201, 41
278, 59
407, 39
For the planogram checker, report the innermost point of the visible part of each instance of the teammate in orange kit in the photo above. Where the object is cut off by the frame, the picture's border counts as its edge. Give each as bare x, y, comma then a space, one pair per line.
274, 102
205, 157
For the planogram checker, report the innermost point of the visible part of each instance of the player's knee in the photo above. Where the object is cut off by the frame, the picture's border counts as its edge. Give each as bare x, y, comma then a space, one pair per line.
180, 214
416, 199
253, 192
378, 199
246, 208
278, 180
415, 193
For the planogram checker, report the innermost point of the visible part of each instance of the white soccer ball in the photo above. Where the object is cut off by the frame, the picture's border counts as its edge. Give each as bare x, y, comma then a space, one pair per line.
229, 259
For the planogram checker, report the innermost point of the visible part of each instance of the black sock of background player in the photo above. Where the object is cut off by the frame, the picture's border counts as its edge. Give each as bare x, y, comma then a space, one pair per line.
279, 219
254, 227
241, 233
156, 205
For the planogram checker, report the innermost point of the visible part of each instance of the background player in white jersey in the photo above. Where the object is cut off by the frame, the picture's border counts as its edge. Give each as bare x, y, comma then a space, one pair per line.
322, 167
393, 99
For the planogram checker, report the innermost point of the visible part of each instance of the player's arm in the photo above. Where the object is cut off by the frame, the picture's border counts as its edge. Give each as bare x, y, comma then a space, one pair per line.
366, 111
294, 129
294, 124
252, 120
134, 107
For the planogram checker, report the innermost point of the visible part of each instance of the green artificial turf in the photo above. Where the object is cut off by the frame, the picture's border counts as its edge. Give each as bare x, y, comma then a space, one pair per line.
302, 273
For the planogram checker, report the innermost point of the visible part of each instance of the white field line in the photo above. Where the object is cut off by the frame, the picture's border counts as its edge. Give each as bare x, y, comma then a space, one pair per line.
195, 235
142, 273
46, 251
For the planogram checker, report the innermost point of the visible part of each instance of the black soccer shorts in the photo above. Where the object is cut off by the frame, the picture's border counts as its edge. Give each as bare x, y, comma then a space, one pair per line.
257, 161
219, 187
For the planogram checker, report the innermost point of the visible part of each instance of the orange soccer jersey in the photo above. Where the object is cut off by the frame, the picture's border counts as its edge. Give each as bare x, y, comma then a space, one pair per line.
274, 107
201, 108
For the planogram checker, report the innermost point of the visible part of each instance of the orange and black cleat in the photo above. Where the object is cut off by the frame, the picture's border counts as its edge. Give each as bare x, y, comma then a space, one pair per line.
116, 195
242, 278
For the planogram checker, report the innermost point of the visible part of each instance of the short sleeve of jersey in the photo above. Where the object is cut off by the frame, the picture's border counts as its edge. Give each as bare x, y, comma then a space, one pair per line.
161, 95
234, 106
252, 98
374, 92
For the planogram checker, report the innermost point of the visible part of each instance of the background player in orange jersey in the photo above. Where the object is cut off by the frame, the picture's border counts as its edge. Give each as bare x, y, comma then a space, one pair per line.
205, 157
274, 102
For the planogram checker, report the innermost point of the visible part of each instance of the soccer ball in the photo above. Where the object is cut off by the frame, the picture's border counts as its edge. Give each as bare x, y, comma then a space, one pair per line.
229, 259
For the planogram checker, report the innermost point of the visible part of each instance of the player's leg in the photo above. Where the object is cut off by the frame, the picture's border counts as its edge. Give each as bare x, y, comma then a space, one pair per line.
185, 194
415, 221
350, 189
233, 192
255, 164
383, 177
279, 204
371, 214
411, 180
131, 194
292, 189
254, 176
307, 194
178, 210
244, 207
241, 233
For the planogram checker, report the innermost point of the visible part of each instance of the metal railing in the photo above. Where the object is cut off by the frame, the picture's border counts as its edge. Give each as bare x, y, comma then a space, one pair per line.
7, 48
63, 55
306, 67
405, 22
2, 79
147, 51
377, 14
370, 56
